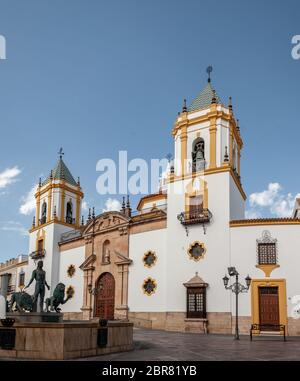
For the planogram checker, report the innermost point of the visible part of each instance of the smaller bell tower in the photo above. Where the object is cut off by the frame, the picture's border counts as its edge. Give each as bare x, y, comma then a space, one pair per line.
58, 210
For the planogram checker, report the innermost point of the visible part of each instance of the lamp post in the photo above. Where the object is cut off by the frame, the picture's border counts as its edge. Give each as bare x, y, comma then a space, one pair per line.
236, 288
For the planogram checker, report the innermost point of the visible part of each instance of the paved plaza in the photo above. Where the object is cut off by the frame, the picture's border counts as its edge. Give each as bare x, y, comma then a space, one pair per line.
152, 345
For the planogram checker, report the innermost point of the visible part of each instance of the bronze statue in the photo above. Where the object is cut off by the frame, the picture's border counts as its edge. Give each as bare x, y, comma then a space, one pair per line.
58, 298
21, 301
39, 275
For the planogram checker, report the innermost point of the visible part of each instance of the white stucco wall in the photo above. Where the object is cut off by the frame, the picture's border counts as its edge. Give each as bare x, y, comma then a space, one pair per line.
73, 257
244, 257
180, 268
139, 244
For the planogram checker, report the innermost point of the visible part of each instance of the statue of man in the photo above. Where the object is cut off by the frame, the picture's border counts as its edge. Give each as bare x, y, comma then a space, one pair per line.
39, 275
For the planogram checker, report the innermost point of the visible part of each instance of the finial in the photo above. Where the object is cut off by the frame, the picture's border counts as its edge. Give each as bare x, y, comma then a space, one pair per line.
128, 202
123, 203
89, 215
61, 152
33, 222
82, 220
196, 273
226, 157
40, 182
51, 174
184, 108
237, 125
209, 69
93, 214
230, 104
214, 98
78, 181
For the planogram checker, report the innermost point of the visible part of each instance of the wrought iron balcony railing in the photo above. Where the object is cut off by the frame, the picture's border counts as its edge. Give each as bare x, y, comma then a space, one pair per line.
38, 254
195, 216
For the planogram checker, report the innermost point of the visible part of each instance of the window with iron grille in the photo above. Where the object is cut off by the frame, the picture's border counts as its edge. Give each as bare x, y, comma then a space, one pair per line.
266, 253
196, 302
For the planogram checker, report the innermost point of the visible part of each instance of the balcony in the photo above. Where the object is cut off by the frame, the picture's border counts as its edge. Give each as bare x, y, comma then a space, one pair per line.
38, 254
195, 216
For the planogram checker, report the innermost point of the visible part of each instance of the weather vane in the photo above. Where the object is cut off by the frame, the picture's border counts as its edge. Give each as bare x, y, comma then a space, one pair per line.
209, 70
61, 152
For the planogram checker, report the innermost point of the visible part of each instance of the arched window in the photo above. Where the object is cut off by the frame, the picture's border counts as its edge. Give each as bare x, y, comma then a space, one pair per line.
198, 155
106, 252
44, 213
69, 213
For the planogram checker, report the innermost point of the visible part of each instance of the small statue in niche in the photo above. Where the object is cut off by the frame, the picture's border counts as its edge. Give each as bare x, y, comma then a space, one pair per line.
198, 156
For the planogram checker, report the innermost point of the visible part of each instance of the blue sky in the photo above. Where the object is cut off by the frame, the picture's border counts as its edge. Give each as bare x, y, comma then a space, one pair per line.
97, 77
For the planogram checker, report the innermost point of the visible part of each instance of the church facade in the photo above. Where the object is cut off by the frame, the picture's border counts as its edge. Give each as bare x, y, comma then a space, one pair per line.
163, 266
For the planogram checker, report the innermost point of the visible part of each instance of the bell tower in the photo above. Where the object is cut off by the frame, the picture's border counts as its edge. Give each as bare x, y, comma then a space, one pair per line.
207, 141
204, 192
58, 210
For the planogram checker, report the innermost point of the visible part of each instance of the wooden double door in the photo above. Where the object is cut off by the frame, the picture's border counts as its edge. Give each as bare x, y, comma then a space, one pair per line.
105, 297
269, 306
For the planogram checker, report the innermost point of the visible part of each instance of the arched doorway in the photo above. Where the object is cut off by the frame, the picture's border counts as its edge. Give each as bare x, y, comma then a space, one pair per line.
105, 296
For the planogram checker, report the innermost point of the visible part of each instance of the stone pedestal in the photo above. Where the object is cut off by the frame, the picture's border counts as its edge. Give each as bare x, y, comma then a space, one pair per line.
67, 340
36, 317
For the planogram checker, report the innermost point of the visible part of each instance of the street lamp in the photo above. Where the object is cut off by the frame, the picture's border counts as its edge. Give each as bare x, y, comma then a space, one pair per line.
236, 288
94, 291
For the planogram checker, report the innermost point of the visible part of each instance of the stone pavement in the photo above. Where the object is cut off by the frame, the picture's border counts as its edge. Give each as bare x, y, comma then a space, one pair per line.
152, 345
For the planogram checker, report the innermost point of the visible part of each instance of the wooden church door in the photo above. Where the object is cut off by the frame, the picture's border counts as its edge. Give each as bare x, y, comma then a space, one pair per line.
105, 297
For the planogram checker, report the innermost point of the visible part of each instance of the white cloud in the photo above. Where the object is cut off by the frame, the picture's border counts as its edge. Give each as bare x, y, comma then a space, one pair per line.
252, 214
112, 204
84, 206
8, 176
271, 201
266, 197
28, 205
13, 226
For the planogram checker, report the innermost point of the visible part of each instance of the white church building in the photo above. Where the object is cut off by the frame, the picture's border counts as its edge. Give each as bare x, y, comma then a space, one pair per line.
163, 266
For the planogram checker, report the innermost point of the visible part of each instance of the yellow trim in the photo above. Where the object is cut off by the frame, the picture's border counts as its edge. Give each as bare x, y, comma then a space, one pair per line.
60, 185
239, 161
241, 223
62, 205
211, 112
78, 210
49, 202
41, 236
192, 192
224, 168
50, 222
213, 143
190, 249
38, 207
267, 269
183, 139
281, 284
150, 198
238, 184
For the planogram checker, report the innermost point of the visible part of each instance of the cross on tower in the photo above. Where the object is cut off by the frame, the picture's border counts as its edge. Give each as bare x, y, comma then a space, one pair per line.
209, 70
61, 152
